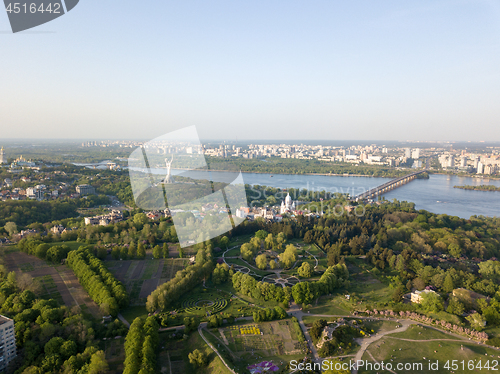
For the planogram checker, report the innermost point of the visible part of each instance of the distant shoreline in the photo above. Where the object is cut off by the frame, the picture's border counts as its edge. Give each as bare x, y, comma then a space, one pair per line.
266, 172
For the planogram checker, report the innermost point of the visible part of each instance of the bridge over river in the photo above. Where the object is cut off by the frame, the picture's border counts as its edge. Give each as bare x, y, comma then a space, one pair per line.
395, 183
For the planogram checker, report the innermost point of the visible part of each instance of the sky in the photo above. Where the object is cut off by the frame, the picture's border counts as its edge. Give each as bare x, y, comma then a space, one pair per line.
271, 70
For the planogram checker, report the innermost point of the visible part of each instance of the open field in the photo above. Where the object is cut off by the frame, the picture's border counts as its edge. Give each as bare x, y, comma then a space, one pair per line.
426, 344
115, 355
141, 277
173, 357
58, 281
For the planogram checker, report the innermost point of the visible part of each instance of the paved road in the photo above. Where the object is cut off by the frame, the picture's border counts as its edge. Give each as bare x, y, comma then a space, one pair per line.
122, 318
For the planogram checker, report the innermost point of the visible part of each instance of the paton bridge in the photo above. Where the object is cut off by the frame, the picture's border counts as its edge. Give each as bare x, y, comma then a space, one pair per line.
388, 186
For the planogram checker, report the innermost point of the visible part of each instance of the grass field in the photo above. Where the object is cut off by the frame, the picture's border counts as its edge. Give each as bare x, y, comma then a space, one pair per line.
132, 312
141, 277
173, 357
380, 325
422, 348
115, 355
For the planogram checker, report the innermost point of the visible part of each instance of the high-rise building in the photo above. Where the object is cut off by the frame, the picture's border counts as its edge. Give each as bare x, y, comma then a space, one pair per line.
416, 153
3, 157
463, 161
408, 152
7, 342
480, 168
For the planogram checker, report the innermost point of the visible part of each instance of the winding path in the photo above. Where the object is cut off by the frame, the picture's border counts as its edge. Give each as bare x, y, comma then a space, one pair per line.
200, 330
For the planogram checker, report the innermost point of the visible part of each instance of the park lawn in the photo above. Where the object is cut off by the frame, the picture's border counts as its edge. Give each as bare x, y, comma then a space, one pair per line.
132, 312
423, 333
369, 289
492, 331
232, 252
421, 352
239, 240
380, 325
215, 365
309, 320
336, 305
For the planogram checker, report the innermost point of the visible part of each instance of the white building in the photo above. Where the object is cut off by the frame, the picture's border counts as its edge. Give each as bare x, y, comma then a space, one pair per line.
416, 153
288, 205
7, 342
480, 168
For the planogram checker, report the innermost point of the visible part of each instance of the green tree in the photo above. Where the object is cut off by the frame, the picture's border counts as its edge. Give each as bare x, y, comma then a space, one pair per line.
455, 306
224, 241
11, 228
305, 270
261, 234
455, 250
132, 250
476, 321
140, 219
198, 358
432, 302
261, 261
157, 252
448, 284
273, 265
398, 293
141, 251
98, 364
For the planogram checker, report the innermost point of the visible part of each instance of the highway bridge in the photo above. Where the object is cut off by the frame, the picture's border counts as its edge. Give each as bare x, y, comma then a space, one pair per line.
388, 186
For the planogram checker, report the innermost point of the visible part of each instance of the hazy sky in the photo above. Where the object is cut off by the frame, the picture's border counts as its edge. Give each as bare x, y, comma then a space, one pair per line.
395, 70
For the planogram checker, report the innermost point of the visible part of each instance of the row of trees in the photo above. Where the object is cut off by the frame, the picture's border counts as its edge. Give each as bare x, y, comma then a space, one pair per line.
50, 338
269, 314
168, 293
101, 285
141, 345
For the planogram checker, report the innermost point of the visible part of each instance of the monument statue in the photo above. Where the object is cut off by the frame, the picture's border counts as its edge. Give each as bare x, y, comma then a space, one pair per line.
168, 177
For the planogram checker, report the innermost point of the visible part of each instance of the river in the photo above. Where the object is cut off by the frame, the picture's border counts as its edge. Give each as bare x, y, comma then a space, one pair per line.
435, 194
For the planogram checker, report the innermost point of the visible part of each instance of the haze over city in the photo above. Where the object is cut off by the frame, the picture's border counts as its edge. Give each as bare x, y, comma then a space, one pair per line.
257, 70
